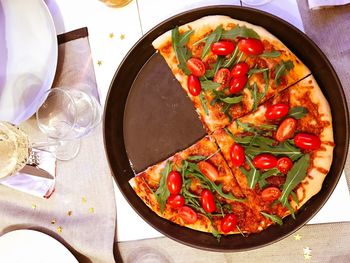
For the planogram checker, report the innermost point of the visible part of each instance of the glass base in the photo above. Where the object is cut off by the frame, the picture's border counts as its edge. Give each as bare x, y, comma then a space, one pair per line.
65, 150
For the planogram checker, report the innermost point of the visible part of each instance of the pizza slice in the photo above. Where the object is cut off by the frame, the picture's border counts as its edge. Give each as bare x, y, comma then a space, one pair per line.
281, 153
228, 67
195, 188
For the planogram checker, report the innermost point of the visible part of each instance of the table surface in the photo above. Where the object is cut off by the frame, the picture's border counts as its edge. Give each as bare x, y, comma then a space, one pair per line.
110, 41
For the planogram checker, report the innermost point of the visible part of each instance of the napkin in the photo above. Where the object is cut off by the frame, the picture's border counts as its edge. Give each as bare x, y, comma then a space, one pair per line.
317, 4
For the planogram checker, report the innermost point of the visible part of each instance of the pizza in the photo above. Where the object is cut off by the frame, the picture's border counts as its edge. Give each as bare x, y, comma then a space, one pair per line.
228, 67
270, 137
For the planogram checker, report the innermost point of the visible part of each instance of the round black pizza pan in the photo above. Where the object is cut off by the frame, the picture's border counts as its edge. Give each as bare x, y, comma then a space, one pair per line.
148, 118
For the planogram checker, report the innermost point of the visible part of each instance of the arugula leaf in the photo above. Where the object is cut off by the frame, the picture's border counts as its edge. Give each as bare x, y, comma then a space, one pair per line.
182, 53
298, 112
196, 158
213, 37
252, 175
230, 61
262, 180
257, 70
294, 177
291, 210
295, 197
185, 37
239, 57
266, 87
240, 31
204, 103
263, 129
282, 69
209, 85
162, 192
255, 92
218, 65
273, 218
175, 35
232, 100
272, 54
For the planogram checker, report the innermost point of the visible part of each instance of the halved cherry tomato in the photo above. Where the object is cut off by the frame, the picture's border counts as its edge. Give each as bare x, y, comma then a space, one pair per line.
237, 155
276, 111
307, 141
208, 170
187, 214
175, 201
251, 46
286, 129
237, 84
174, 182
223, 77
284, 164
228, 223
207, 201
222, 48
196, 66
194, 85
265, 161
239, 70
270, 194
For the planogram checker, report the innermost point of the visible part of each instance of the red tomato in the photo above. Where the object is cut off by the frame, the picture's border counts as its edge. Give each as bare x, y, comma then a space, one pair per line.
286, 129
223, 77
270, 194
307, 141
276, 111
228, 223
237, 155
187, 214
239, 70
251, 46
208, 170
284, 164
265, 161
207, 201
194, 85
237, 84
222, 48
196, 66
174, 182
175, 201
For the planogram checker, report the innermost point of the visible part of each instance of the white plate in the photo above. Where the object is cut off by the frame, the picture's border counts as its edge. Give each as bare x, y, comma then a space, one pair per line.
32, 247
28, 57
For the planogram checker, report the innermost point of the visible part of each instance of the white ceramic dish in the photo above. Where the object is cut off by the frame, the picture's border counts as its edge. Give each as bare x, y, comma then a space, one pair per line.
28, 57
32, 247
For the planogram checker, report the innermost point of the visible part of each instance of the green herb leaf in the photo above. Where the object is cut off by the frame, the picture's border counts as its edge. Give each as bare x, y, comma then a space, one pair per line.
231, 60
257, 70
196, 158
282, 69
162, 192
212, 38
295, 197
255, 96
252, 175
232, 100
209, 85
175, 39
185, 37
239, 31
273, 218
182, 53
272, 54
204, 103
294, 177
298, 112
262, 180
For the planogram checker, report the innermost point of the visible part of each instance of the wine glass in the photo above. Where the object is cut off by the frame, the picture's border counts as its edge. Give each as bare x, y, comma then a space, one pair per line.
66, 116
255, 2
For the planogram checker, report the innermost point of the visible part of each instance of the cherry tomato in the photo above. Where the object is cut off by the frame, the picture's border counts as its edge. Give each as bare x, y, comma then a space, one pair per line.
223, 77
228, 223
307, 141
194, 85
196, 66
286, 129
207, 201
208, 170
239, 70
222, 48
276, 111
174, 182
251, 46
175, 201
237, 84
270, 194
284, 164
237, 155
187, 214
265, 161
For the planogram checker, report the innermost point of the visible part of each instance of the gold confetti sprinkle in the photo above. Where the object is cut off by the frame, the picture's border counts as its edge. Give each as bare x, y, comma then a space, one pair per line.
122, 36
111, 35
59, 229
99, 62
33, 206
307, 251
298, 237
83, 199
69, 212
91, 210
53, 221
307, 256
